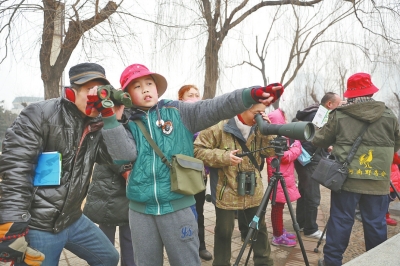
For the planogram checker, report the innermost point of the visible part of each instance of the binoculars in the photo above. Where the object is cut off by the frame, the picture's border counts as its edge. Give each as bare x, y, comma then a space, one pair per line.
246, 183
110, 96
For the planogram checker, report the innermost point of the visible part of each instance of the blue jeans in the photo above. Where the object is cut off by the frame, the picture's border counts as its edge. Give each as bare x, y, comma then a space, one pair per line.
83, 238
373, 209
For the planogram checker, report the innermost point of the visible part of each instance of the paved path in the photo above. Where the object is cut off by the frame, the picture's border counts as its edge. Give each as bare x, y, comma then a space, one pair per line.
283, 256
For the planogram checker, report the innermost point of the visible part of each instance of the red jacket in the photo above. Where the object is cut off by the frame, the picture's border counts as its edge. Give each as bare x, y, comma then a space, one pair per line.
395, 173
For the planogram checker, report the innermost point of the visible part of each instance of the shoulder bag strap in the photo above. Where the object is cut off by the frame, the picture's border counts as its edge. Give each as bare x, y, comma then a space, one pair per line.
152, 143
245, 149
355, 146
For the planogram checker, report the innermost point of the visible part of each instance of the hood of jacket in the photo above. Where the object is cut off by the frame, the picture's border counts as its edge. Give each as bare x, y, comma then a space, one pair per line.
364, 111
277, 117
302, 115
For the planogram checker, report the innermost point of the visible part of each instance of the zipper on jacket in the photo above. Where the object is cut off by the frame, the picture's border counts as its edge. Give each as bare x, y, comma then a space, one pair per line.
154, 170
221, 192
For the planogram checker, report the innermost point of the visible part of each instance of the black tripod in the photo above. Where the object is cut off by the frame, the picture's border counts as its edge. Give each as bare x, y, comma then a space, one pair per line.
280, 145
323, 233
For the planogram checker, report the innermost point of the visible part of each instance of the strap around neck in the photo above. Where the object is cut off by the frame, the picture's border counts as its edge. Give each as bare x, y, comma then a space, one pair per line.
152, 143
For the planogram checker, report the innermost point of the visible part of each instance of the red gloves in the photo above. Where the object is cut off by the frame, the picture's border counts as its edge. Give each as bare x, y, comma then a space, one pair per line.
95, 102
256, 93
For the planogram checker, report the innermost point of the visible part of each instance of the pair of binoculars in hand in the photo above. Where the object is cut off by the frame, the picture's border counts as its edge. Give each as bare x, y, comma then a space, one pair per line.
110, 96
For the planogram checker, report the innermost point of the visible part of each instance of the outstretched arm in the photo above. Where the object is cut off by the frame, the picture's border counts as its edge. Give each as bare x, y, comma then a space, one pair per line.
203, 114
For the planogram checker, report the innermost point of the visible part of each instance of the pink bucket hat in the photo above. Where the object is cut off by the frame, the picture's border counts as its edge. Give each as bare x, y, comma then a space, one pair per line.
136, 71
359, 84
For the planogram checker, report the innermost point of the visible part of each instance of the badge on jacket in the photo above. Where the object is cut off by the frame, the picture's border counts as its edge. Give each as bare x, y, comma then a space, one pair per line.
167, 127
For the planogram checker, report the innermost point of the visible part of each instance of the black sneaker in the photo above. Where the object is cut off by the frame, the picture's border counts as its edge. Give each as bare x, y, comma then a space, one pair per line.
205, 254
208, 197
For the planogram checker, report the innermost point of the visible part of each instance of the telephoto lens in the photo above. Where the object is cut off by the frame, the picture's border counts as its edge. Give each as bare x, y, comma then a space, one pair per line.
295, 130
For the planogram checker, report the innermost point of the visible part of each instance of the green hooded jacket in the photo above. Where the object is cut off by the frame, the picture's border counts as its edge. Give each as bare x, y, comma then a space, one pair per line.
369, 171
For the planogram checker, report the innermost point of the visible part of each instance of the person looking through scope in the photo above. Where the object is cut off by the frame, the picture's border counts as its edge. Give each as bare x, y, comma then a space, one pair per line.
235, 181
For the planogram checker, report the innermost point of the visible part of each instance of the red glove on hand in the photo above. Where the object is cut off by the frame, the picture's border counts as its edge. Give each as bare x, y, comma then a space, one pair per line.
95, 102
256, 93
13, 246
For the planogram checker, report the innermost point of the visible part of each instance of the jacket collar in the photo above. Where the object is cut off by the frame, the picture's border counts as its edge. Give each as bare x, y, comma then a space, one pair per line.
231, 127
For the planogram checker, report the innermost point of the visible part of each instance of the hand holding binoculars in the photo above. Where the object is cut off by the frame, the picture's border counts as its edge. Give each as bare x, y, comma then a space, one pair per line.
110, 96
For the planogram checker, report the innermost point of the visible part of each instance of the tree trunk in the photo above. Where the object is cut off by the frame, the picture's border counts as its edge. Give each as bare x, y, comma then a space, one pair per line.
52, 86
51, 72
211, 73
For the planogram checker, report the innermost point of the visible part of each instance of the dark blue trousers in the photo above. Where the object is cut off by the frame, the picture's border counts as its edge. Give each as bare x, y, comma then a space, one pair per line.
373, 210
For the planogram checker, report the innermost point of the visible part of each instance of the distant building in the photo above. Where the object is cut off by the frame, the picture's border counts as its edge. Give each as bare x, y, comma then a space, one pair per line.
19, 102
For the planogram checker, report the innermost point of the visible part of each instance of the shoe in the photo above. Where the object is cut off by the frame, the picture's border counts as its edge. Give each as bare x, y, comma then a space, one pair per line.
358, 217
317, 234
321, 262
205, 254
289, 235
208, 197
283, 241
390, 221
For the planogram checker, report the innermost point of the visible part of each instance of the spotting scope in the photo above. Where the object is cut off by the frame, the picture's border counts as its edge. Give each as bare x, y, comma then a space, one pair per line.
295, 130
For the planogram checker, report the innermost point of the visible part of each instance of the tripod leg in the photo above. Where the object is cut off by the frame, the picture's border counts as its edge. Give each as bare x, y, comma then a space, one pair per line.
320, 239
253, 227
296, 226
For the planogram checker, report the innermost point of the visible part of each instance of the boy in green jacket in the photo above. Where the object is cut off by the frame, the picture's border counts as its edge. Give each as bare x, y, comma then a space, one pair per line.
162, 217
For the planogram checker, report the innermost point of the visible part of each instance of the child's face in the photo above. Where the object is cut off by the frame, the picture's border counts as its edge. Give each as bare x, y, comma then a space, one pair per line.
143, 91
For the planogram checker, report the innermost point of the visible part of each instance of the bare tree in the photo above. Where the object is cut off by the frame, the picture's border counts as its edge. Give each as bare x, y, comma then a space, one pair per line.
220, 18
377, 17
307, 34
81, 16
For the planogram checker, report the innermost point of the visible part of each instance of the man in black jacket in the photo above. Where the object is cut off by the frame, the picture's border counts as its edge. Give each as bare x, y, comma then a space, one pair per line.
49, 218
307, 205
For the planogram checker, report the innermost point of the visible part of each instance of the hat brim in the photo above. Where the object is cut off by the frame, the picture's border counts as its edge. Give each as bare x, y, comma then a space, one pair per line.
358, 93
161, 83
90, 77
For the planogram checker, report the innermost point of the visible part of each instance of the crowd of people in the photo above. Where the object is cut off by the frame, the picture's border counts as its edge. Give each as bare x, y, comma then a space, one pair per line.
107, 158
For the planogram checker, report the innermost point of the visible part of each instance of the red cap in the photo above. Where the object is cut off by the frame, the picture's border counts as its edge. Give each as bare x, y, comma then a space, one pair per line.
136, 71
359, 84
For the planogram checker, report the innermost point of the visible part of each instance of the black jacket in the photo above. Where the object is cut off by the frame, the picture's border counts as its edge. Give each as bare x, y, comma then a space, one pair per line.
51, 125
106, 202
308, 114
